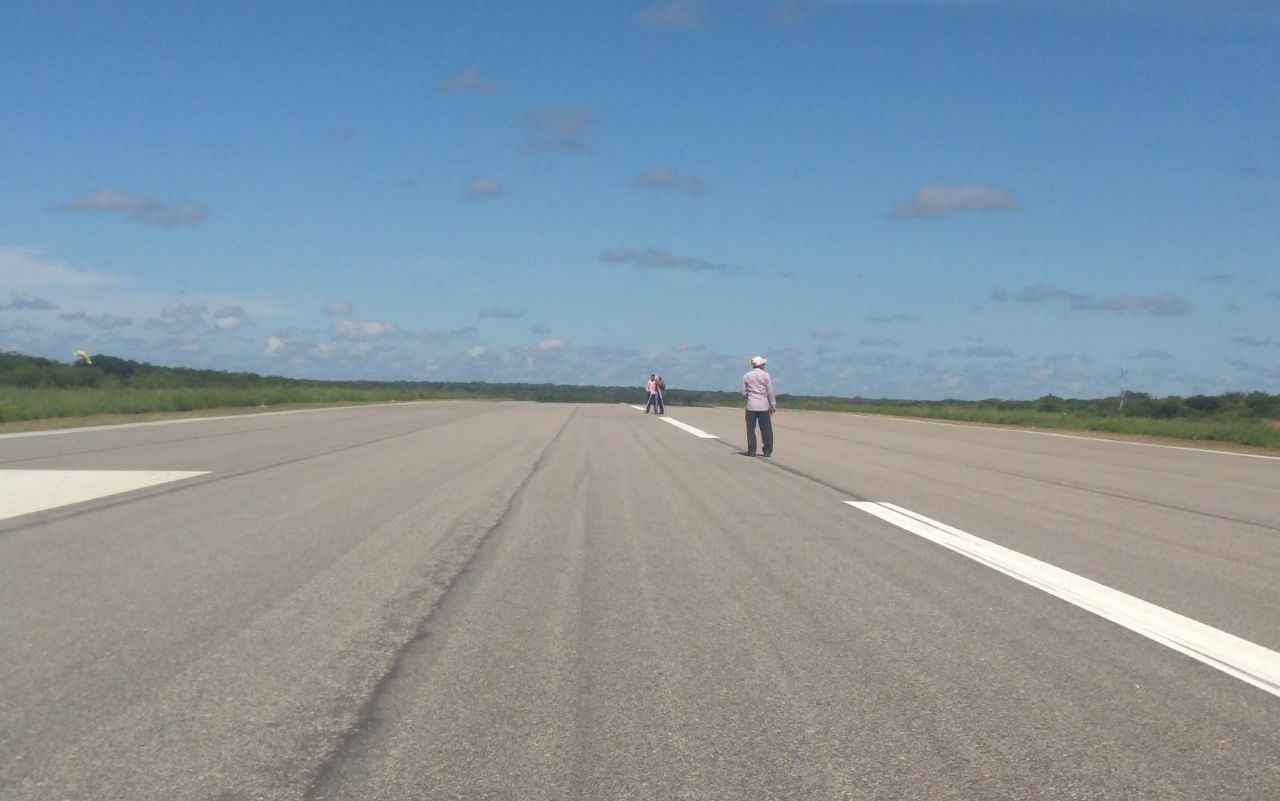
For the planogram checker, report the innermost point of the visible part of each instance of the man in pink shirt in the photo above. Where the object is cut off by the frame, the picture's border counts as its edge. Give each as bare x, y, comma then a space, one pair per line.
651, 387
757, 388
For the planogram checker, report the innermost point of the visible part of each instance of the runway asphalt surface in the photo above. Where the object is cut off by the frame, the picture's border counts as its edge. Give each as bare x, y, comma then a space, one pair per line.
520, 601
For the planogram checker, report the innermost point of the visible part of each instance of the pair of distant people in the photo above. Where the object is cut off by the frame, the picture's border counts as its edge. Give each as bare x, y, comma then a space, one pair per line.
657, 389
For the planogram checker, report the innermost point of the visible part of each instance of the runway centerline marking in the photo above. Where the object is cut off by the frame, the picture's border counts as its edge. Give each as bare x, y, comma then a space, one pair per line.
25, 491
697, 432
1232, 655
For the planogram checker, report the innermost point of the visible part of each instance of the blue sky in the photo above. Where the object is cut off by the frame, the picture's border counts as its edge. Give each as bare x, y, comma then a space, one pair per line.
895, 198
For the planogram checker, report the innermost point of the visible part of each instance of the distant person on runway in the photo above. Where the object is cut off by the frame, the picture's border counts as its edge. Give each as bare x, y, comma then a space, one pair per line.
661, 387
652, 388
757, 388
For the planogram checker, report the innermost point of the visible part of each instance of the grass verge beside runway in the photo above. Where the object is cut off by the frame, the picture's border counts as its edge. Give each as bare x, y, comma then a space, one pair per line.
41, 403
1259, 433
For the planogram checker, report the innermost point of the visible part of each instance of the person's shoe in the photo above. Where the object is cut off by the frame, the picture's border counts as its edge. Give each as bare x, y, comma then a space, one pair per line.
767, 454
748, 453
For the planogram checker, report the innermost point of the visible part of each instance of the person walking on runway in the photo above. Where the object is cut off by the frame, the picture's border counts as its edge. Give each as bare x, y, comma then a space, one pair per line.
757, 388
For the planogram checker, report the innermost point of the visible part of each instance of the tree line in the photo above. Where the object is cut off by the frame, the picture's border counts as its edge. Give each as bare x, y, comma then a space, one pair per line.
17, 370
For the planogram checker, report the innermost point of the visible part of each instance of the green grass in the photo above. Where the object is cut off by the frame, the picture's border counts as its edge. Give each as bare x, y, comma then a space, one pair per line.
35, 403
1256, 432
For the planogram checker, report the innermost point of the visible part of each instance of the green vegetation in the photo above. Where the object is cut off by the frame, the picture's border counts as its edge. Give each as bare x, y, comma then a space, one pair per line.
1245, 418
33, 388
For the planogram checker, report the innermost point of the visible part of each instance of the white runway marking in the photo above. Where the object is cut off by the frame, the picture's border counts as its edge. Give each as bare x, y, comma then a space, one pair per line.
1233, 655
697, 432
25, 491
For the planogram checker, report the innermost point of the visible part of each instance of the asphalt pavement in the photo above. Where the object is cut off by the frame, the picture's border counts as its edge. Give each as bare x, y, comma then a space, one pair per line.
542, 601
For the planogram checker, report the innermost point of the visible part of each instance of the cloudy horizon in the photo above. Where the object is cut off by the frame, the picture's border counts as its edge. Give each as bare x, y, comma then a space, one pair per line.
901, 198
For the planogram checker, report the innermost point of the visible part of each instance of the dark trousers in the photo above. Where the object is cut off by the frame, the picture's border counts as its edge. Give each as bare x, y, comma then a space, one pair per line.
652, 404
766, 431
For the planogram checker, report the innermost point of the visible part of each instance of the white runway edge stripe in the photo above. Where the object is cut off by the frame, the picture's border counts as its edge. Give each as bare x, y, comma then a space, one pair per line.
1231, 654
25, 491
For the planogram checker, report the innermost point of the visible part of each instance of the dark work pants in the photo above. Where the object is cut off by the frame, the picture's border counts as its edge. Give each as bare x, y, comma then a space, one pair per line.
652, 403
766, 431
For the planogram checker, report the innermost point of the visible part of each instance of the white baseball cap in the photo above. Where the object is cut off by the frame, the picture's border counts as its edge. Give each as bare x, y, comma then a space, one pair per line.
758, 361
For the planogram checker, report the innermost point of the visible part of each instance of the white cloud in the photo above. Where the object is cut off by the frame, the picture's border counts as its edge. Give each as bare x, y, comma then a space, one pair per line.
548, 345
102, 321
469, 80
476, 351
791, 11
554, 146
1155, 305
938, 201
275, 346
229, 318
688, 347
140, 208
673, 15
881, 319
982, 352
560, 122
179, 315
21, 303
433, 337
661, 259
323, 350
1151, 305
1255, 342
667, 178
362, 331
26, 269
337, 308
481, 188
